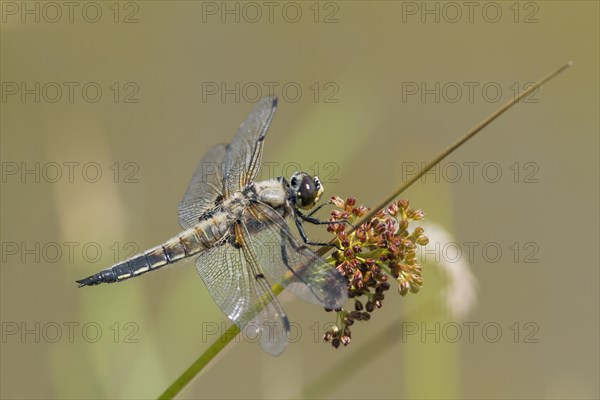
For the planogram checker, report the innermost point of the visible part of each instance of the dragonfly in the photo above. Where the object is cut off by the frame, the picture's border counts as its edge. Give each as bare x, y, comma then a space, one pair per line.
240, 231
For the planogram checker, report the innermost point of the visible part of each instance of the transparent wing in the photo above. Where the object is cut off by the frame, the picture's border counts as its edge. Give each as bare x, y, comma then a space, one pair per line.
291, 263
242, 160
233, 278
205, 187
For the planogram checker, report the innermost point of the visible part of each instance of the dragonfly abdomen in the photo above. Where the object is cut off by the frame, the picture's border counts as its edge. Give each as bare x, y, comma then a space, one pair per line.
189, 242
136, 265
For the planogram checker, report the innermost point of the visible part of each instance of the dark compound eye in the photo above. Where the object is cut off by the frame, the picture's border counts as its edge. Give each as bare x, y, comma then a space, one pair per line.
307, 191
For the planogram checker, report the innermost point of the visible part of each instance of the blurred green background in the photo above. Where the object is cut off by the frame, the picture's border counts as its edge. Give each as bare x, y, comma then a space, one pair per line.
368, 111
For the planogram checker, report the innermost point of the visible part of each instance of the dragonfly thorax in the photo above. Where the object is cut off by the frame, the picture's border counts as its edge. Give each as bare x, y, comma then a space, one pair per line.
272, 192
302, 191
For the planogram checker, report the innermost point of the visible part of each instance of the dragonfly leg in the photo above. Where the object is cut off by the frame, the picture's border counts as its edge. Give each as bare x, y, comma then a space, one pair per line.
305, 237
317, 221
286, 261
314, 210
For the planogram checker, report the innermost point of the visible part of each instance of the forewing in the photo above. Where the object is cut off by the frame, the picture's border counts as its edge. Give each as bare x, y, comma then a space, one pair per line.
242, 161
205, 187
291, 263
231, 274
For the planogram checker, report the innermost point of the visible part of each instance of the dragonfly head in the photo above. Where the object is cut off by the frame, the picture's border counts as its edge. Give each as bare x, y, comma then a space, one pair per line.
307, 189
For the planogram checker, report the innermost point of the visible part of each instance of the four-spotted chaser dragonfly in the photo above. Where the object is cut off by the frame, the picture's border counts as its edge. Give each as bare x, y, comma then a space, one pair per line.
237, 229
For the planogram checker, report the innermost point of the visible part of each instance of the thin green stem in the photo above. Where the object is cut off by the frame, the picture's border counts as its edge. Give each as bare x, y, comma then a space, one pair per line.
233, 330
205, 358
200, 363
459, 142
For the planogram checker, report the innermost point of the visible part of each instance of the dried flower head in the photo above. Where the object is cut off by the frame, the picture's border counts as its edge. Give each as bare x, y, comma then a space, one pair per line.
377, 251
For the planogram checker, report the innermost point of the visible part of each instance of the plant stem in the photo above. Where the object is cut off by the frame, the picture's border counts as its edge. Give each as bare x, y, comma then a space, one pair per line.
233, 330
206, 357
459, 142
200, 363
